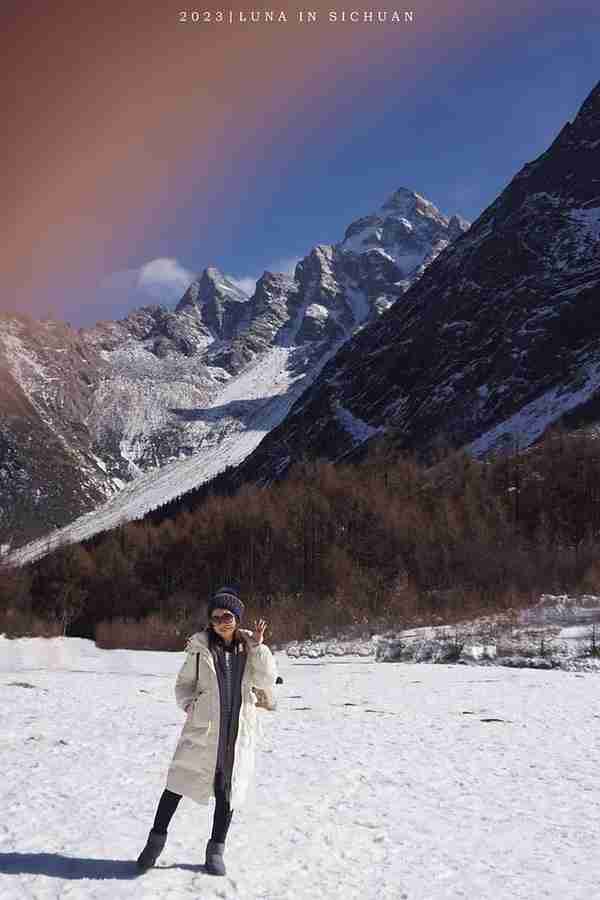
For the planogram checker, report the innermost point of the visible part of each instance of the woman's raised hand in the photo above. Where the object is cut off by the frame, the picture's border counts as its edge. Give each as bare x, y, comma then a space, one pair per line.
257, 635
259, 630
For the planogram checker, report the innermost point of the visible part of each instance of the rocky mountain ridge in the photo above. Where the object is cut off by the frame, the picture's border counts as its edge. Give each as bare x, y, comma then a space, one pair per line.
497, 340
84, 413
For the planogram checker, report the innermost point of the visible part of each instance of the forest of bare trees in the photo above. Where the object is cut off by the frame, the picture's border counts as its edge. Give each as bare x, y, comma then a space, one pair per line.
387, 541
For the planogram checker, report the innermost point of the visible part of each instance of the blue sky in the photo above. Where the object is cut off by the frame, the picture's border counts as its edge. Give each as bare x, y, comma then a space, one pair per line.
458, 136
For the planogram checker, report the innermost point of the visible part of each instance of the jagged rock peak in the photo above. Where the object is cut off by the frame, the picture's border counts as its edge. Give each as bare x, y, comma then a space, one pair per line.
405, 217
278, 278
210, 285
405, 202
316, 268
457, 226
407, 230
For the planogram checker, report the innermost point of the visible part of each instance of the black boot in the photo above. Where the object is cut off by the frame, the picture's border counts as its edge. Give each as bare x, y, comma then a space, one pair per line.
214, 858
152, 850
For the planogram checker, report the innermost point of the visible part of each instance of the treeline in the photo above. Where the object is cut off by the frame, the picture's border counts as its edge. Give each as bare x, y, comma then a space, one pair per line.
387, 541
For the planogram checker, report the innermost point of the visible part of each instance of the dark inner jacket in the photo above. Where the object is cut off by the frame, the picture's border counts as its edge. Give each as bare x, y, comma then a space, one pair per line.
230, 662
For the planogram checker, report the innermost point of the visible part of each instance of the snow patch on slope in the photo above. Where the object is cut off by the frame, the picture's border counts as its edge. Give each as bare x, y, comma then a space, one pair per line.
531, 420
359, 304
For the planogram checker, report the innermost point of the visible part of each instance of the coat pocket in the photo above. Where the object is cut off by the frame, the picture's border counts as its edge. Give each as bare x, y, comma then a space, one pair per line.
200, 712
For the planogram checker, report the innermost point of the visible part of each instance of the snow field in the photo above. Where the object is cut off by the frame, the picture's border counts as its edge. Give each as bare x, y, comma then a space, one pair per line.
373, 781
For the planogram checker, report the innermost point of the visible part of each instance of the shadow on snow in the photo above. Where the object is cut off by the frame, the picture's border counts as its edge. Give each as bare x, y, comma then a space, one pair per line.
55, 865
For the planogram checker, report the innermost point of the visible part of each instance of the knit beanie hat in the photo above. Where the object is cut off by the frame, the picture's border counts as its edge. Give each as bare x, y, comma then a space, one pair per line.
227, 597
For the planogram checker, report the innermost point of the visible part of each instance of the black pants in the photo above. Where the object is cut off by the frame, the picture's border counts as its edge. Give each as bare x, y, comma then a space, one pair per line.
222, 817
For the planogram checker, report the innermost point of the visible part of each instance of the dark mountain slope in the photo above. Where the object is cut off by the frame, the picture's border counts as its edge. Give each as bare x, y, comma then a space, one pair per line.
498, 338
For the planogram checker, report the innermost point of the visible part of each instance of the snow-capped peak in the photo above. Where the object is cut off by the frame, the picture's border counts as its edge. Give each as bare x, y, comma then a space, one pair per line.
407, 229
409, 204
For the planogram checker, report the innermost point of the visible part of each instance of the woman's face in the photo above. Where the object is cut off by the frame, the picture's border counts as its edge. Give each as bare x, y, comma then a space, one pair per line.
226, 627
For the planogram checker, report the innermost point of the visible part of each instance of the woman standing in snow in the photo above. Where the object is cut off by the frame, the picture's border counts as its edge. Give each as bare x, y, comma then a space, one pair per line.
215, 752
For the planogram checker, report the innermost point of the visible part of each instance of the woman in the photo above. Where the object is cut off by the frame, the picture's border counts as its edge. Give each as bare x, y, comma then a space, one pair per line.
215, 752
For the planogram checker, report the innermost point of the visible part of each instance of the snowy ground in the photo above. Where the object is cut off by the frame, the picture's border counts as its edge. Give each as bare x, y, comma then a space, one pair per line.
374, 781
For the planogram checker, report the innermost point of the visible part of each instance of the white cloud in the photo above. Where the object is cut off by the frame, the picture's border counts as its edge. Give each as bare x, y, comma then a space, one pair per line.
164, 279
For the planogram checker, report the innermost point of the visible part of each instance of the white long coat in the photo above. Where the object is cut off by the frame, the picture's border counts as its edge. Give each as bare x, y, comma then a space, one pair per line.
193, 765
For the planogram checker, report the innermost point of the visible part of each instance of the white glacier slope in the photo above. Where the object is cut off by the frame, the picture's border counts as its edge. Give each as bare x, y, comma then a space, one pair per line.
267, 389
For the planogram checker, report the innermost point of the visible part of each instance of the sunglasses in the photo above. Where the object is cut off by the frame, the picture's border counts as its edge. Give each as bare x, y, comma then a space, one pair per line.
224, 617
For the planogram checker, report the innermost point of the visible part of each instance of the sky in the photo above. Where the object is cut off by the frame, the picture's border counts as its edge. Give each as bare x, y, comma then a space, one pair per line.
142, 148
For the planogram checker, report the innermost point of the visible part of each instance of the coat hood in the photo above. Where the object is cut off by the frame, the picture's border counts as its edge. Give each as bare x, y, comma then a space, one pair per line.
197, 641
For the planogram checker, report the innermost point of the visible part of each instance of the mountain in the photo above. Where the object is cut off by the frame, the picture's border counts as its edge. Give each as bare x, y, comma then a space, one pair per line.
217, 302
497, 340
130, 413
